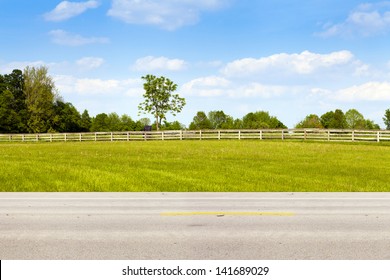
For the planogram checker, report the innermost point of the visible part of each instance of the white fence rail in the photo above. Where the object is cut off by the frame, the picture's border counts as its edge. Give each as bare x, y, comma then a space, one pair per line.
264, 134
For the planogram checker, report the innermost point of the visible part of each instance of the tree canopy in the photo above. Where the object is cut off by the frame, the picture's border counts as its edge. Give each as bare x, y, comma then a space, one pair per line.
160, 99
352, 119
334, 119
41, 94
311, 121
261, 119
200, 121
386, 119
220, 120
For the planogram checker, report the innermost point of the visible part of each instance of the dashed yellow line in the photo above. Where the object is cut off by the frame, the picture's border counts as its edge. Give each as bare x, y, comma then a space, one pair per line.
223, 213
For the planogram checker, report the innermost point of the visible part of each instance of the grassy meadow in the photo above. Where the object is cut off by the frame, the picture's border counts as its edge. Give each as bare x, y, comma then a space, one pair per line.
195, 166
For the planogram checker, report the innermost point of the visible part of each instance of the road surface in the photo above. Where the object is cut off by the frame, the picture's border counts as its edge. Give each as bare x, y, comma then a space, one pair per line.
121, 226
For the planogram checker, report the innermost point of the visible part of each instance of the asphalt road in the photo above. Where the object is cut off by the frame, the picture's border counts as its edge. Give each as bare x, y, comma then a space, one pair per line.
123, 226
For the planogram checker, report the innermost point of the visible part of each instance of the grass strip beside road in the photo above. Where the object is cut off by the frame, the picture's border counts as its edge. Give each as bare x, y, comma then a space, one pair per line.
195, 166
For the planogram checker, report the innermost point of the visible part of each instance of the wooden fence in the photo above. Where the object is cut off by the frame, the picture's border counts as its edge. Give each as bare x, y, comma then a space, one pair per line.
264, 134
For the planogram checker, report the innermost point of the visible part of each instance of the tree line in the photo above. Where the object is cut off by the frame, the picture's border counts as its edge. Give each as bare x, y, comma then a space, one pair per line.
337, 119
30, 103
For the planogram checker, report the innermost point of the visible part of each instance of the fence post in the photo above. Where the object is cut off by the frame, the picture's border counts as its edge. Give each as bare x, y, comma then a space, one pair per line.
128, 136
112, 137
378, 135
200, 135
65, 137
305, 134
261, 135
23, 138
239, 135
282, 134
219, 135
162, 135
353, 136
181, 134
328, 135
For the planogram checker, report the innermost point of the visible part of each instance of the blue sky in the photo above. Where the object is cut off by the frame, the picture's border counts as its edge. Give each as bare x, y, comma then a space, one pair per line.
290, 58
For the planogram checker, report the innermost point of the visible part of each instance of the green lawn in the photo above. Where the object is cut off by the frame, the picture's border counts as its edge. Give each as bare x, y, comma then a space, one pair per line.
216, 166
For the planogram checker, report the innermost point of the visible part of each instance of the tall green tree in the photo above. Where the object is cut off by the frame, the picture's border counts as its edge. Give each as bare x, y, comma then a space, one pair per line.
334, 119
15, 82
67, 118
354, 119
219, 120
160, 98
9, 119
41, 94
115, 122
238, 124
100, 123
13, 111
261, 120
370, 124
200, 121
310, 121
386, 119
86, 121
127, 123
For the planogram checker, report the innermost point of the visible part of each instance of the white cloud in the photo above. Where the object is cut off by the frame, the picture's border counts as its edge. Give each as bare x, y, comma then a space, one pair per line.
257, 90
89, 63
366, 20
167, 14
83, 86
206, 86
67, 9
371, 91
151, 63
297, 63
62, 37
213, 86
319, 92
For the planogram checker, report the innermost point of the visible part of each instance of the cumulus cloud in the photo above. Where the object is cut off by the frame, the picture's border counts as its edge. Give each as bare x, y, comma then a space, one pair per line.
371, 91
206, 86
151, 63
213, 86
62, 37
366, 20
67, 9
258, 90
167, 14
89, 63
297, 63
85, 86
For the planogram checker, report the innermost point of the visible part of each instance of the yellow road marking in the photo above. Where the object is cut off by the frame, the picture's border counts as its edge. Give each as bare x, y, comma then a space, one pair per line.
222, 213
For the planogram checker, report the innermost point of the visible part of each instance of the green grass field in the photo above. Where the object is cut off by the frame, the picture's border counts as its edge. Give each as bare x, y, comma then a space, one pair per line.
195, 166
